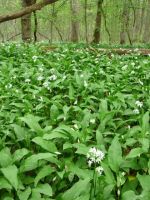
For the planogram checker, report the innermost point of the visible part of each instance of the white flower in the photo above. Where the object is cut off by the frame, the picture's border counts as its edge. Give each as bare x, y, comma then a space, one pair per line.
124, 67
81, 75
27, 80
75, 126
8, 86
95, 156
136, 111
41, 99
52, 70
41, 69
139, 104
132, 63
99, 170
92, 121
40, 78
53, 77
132, 72
89, 163
85, 84
75, 103
34, 58
46, 84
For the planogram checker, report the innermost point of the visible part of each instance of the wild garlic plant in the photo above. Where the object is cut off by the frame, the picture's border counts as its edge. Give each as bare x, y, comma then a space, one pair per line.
94, 159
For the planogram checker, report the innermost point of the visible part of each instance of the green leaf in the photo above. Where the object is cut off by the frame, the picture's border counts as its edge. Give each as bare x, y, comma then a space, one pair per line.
47, 145
44, 189
4, 184
109, 175
71, 92
20, 132
129, 195
19, 154
82, 149
5, 157
144, 181
115, 155
32, 162
25, 194
54, 113
135, 153
77, 190
11, 174
32, 122
45, 171
145, 123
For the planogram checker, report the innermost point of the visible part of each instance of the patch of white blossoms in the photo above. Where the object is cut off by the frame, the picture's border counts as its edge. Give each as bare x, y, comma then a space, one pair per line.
139, 104
94, 157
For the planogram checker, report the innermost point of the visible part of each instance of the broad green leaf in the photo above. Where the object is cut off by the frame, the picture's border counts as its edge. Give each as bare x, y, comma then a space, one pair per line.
110, 179
99, 138
71, 92
19, 154
115, 155
19, 132
32, 162
5, 157
45, 171
32, 122
11, 174
25, 194
135, 153
54, 113
44, 189
129, 195
4, 184
77, 190
144, 181
145, 123
82, 149
47, 145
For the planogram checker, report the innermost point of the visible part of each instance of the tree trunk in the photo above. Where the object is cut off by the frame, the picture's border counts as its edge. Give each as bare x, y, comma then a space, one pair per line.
26, 22
146, 33
74, 21
97, 34
85, 21
123, 23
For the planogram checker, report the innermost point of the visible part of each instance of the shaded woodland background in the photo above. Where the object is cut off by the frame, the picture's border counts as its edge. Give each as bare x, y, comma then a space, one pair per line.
104, 21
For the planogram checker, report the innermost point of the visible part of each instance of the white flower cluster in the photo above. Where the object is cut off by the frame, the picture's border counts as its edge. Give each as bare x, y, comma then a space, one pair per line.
95, 156
138, 104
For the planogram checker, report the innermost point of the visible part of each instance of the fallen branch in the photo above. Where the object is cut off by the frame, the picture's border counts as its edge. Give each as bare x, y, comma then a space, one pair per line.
27, 10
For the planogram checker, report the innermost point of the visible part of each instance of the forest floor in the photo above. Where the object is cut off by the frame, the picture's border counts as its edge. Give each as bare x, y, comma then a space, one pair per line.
74, 124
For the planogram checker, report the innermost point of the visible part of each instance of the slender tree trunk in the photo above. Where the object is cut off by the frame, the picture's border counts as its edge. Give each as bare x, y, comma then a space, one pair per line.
97, 34
85, 21
26, 22
146, 33
74, 20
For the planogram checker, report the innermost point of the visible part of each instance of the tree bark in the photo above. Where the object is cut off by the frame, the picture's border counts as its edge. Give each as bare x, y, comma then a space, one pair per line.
146, 33
27, 10
74, 21
97, 31
125, 24
26, 22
